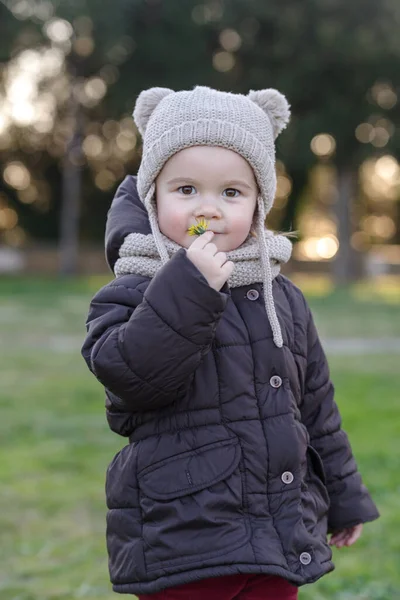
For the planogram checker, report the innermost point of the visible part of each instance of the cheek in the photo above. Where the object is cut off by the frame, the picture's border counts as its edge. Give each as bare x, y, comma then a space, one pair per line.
241, 224
172, 220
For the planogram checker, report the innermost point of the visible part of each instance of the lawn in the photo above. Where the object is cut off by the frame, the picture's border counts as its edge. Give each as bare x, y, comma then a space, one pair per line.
55, 445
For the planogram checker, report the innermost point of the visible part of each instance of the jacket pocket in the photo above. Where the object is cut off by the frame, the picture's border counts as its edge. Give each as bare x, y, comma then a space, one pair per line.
316, 480
316, 463
192, 505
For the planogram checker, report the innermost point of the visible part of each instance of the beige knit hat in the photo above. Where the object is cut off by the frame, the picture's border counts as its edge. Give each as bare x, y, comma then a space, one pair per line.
171, 121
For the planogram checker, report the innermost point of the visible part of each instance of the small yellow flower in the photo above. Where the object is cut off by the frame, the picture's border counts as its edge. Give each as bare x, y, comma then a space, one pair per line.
198, 229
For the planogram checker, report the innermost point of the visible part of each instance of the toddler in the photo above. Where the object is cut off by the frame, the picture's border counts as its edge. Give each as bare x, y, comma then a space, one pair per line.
237, 467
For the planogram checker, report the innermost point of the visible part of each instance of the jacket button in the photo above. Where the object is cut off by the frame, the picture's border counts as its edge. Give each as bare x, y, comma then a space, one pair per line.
287, 477
275, 381
305, 558
252, 294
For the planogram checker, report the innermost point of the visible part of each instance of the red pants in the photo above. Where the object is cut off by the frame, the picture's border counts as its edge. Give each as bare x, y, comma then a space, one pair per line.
230, 587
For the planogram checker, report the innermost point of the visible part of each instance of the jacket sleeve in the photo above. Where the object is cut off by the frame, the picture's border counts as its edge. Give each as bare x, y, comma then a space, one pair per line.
350, 502
145, 348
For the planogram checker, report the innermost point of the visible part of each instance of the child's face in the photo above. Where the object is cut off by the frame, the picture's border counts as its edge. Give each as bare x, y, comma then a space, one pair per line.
210, 182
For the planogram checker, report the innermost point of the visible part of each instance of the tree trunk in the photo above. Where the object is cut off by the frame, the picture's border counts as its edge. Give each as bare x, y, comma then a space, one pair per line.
299, 181
344, 267
71, 195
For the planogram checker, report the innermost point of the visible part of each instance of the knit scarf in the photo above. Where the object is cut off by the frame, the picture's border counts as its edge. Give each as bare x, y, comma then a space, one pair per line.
140, 254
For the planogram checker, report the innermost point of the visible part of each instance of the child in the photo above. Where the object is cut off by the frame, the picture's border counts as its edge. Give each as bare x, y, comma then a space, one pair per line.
237, 466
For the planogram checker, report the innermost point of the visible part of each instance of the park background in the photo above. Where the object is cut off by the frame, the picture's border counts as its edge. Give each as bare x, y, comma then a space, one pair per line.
70, 72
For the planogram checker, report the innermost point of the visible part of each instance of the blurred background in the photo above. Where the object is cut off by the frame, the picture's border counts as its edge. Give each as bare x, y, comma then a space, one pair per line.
70, 72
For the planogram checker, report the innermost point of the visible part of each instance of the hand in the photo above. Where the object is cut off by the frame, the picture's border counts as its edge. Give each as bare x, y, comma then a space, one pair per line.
211, 263
346, 536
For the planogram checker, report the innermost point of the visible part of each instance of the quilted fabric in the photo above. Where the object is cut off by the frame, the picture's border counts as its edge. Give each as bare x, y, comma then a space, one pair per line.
236, 461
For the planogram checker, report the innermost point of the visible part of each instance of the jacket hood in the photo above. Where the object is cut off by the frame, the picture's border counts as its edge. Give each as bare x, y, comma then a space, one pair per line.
125, 215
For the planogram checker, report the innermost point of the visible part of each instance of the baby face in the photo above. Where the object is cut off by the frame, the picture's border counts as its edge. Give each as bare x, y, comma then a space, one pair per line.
207, 182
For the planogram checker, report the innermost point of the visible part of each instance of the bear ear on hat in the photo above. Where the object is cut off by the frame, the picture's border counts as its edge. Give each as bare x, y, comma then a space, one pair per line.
275, 105
146, 102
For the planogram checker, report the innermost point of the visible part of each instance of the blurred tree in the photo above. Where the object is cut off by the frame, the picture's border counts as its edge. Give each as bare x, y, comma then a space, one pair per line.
55, 80
336, 61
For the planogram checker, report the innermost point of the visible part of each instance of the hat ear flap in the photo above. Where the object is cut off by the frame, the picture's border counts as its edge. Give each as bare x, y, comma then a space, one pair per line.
146, 102
275, 105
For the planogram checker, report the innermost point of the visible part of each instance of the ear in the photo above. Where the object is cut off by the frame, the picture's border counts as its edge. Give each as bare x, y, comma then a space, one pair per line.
275, 105
145, 105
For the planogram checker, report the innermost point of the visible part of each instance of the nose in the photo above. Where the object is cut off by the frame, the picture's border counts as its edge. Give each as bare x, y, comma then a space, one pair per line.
208, 210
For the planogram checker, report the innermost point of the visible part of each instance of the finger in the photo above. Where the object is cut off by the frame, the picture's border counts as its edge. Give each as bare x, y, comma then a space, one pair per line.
344, 542
220, 257
203, 239
348, 536
333, 543
342, 537
359, 529
227, 269
333, 540
353, 537
211, 249
338, 537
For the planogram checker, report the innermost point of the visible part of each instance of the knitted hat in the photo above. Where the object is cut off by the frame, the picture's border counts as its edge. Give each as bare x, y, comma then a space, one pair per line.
171, 121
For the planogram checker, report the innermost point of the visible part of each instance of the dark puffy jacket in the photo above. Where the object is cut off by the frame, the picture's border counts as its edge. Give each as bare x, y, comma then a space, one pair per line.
236, 461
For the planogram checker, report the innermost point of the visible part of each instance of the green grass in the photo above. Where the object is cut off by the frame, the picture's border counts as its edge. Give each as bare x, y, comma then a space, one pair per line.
369, 309
55, 446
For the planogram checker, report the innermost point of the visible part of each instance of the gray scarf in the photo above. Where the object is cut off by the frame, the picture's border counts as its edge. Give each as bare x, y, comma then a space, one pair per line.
139, 254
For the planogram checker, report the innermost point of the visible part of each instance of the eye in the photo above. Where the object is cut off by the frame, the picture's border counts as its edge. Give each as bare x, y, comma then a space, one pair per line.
232, 192
187, 190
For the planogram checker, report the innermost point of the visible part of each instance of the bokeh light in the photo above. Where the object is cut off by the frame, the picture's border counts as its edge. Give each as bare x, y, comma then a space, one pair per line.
95, 88
58, 30
223, 61
380, 138
93, 146
126, 143
84, 46
283, 186
323, 145
15, 236
384, 95
29, 194
327, 247
380, 178
110, 129
387, 167
22, 9
230, 40
105, 180
8, 218
17, 175
381, 226
317, 248
365, 133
